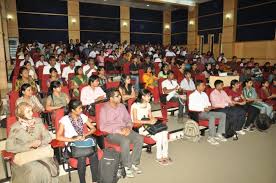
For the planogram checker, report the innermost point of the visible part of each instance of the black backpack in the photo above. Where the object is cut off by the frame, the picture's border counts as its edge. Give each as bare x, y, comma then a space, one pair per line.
110, 167
262, 122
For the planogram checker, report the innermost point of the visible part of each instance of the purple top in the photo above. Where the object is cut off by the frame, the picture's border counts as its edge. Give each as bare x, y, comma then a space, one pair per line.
112, 120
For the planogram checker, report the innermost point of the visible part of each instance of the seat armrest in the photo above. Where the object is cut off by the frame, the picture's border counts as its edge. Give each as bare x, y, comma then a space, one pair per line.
7, 155
56, 143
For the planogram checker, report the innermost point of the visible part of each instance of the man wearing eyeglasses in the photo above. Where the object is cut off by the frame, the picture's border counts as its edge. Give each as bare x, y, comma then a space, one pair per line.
116, 121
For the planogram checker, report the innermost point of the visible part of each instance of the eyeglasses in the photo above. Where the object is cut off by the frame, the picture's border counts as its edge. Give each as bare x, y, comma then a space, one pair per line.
117, 96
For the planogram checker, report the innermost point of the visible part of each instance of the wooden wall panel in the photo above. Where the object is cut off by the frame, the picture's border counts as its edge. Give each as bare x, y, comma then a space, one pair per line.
12, 23
125, 23
73, 14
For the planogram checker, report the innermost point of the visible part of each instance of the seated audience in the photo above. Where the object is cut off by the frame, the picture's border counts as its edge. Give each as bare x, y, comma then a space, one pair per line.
199, 102
187, 84
28, 134
266, 95
77, 60
116, 121
27, 58
71, 129
151, 83
194, 71
100, 58
31, 70
257, 74
26, 95
69, 69
78, 79
93, 92
103, 78
250, 96
41, 62
90, 67
134, 72
216, 71
208, 71
54, 77
23, 78
272, 75
52, 63
238, 99
170, 88
126, 89
141, 114
56, 99
163, 71
221, 102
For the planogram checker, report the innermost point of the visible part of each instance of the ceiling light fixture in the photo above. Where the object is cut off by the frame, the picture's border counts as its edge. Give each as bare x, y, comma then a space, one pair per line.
191, 22
228, 16
9, 17
73, 20
148, 5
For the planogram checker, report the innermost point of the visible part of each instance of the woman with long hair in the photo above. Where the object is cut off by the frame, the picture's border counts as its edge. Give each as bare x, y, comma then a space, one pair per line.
26, 95
78, 80
163, 72
141, 114
71, 129
126, 89
24, 77
151, 83
54, 76
250, 96
56, 99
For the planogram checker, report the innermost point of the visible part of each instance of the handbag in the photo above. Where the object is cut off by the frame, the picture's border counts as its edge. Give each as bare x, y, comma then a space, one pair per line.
155, 128
90, 109
83, 148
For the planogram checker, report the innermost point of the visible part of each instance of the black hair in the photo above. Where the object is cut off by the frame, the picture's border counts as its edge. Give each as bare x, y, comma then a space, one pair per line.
217, 82
92, 78
246, 81
77, 69
233, 82
186, 72
142, 93
111, 93
198, 82
73, 104
71, 59
162, 67
52, 57
123, 80
100, 68
146, 68
170, 72
21, 71
23, 88
26, 62
53, 85
53, 70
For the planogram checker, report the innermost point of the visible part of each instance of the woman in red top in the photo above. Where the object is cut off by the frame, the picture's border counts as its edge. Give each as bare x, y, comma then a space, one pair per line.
266, 95
236, 95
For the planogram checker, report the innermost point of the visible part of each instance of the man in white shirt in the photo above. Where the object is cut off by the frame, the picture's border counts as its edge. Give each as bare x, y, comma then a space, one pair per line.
77, 59
93, 53
199, 102
27, 58
93, 92
170, 53
41, 62
52, 63
69, 69
170, 88
90, 67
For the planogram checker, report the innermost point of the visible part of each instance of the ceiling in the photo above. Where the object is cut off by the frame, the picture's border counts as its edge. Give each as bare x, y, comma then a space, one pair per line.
148, 4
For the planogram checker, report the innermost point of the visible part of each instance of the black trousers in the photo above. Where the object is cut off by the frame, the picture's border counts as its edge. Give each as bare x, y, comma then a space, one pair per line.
234, 115
93, 167
181, 106
252, 113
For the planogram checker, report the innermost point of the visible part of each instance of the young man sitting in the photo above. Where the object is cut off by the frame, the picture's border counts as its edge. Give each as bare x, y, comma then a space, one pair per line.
199, 102
223, 103
116, 121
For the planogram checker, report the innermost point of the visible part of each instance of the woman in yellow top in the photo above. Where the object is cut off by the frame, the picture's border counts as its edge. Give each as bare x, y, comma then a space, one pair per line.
151, 83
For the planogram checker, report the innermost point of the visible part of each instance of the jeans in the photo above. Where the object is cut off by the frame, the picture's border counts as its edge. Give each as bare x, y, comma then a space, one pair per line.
252, 113
212, 116
181, 106
93, 167
136, 78
124, 142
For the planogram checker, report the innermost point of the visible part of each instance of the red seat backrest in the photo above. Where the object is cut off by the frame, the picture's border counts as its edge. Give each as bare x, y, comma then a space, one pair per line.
160, 85
65, 90
200, 77
44, 79
156, 68
13, 96
10, 121
126, 68
70, 76
62, 66
40, 71
112, 84
141, 73
129, 104
56, 116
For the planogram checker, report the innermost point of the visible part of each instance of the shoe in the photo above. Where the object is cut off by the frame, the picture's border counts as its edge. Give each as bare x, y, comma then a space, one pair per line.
162, 162
169, 160
240, 132
129, 173
221, 138
249, 129
136, 169
212, 141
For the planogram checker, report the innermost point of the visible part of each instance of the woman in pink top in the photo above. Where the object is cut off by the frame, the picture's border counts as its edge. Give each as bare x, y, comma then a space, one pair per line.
100, 59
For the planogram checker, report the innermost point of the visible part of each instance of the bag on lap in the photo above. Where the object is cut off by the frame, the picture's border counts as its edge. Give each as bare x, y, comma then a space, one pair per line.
191, 131
83, 148
110, 167
262, 122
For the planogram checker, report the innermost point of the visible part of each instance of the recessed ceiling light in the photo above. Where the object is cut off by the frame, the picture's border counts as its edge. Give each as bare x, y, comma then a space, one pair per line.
148, 5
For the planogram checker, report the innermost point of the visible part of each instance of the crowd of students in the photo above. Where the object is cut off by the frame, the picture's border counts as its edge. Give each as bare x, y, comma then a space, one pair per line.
177, 68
